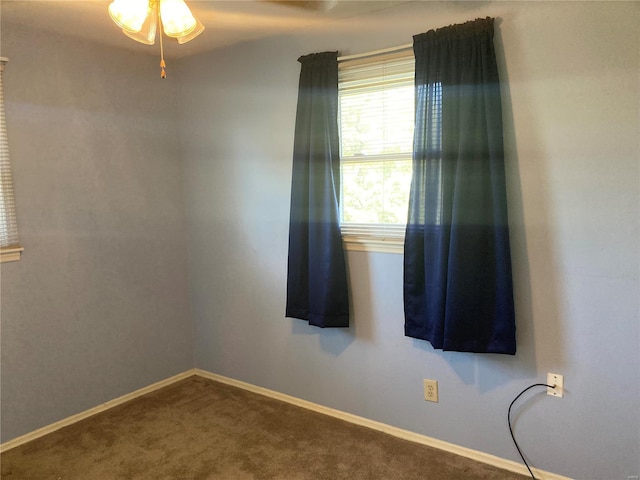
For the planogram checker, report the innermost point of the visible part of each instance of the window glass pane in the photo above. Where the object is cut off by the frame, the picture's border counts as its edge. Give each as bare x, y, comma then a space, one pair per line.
376, 192
377, 122
376, 134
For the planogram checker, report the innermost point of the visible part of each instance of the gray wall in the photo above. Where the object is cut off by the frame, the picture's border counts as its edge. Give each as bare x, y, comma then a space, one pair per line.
571, 112
98, 306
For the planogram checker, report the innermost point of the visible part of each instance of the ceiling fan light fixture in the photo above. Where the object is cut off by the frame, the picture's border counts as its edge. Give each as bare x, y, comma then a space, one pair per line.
129, 15
141, 19
177, 19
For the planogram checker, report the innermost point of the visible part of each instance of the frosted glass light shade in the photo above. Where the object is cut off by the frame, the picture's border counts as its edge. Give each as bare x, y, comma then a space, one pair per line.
194, 33
177, 19
147, 33
129, 14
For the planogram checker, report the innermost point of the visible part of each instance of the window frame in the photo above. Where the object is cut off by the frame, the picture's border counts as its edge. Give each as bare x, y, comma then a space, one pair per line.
376, 237
9, 252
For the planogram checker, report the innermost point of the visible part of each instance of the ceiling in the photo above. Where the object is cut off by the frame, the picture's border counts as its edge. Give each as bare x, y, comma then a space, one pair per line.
226, 22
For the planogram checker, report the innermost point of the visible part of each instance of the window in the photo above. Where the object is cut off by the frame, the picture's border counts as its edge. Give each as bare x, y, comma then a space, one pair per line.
9, 246
376, 118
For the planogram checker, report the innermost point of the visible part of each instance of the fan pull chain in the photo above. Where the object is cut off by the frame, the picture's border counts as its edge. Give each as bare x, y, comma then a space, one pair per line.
163, 65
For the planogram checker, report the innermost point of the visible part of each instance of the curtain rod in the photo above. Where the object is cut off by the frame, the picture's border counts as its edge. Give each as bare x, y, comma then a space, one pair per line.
375, 52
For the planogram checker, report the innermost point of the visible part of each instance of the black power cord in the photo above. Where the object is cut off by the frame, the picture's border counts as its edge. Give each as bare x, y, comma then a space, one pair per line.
509, 421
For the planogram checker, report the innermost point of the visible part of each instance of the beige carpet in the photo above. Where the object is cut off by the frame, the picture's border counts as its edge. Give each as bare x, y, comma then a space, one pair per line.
199, 429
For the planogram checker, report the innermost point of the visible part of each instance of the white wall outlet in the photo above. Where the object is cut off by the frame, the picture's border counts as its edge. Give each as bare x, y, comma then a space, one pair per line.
557, 380
431, 390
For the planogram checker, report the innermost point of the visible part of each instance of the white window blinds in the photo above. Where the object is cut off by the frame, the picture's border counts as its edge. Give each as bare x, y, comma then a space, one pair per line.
9, 245
376, 106
376, 141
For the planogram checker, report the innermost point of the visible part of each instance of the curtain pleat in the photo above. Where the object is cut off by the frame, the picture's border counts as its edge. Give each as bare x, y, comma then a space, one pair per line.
458, 291
317, 279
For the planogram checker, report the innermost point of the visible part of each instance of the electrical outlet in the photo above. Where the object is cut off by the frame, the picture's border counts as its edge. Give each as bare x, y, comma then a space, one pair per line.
431, 390
557, 380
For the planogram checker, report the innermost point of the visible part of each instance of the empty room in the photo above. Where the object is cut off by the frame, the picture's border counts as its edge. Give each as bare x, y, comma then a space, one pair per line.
332, 239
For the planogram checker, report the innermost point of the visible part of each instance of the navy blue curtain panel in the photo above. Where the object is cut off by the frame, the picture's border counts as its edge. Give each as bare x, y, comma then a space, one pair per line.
317, 279
458, 291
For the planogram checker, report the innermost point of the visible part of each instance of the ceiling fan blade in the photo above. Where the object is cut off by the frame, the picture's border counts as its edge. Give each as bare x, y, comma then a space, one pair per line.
315, 5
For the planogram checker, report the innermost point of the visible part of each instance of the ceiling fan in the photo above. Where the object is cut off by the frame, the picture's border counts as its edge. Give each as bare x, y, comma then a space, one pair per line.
141, 19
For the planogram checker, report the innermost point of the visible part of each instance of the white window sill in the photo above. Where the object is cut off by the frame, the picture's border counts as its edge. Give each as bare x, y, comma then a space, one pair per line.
10, 254
373, 244
373, 237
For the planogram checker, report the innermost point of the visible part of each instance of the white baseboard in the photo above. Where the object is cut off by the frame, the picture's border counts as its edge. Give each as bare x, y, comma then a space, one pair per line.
92, 411
391, 430
348, 417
